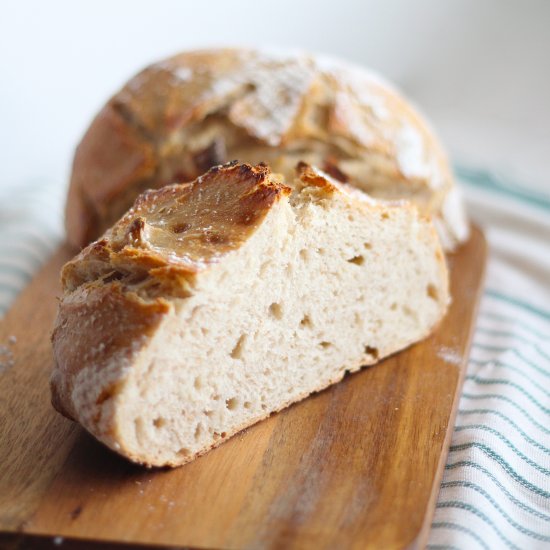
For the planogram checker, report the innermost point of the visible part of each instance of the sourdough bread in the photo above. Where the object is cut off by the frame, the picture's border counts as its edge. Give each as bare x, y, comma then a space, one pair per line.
212, 304
179, 117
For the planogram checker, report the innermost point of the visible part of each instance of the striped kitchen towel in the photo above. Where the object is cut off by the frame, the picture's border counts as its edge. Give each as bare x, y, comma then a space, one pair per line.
495, 491
30, 230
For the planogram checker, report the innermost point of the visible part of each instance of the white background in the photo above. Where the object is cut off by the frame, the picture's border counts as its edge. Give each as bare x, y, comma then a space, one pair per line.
479, 68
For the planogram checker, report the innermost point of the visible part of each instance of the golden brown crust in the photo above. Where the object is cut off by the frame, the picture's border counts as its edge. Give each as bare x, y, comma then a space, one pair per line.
111, 157
313, 177
171, 234
96, 327
317, 182
176, 118
164, 98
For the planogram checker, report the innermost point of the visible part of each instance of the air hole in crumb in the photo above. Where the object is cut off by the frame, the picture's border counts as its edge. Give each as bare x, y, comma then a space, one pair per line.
306, 322
357, 260
431, 290
304, 254
264, 407
264, 268
198, 431
393, 307
373, 352
367, 246
276, 310
385, 216
204, 331
208, 413
232, 403
237, 351
198, 383
216, 435
223, 434
408, 311
321, 251
184, 451
247, 405
325, 345
351, 218
159, 422
216, 397
267, 372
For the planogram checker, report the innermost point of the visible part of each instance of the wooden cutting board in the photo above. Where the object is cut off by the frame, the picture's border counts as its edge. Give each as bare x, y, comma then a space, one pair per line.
355, 466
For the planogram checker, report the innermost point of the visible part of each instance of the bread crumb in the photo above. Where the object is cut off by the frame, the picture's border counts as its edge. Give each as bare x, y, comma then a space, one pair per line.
58, 541
449, 355
12, 339
7, 360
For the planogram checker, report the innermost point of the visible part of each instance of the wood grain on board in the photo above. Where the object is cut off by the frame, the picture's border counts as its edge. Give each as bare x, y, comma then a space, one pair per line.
355, 466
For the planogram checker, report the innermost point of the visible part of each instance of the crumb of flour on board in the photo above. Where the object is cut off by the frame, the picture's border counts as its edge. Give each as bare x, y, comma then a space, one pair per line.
449, 355
7, 359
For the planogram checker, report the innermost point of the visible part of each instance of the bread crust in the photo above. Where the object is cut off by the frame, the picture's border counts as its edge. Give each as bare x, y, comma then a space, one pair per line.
196, 109
171, 234
98, 326
111, 157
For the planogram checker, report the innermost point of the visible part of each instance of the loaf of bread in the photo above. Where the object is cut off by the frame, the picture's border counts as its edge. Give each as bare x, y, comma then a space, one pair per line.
210, 305
179, 117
